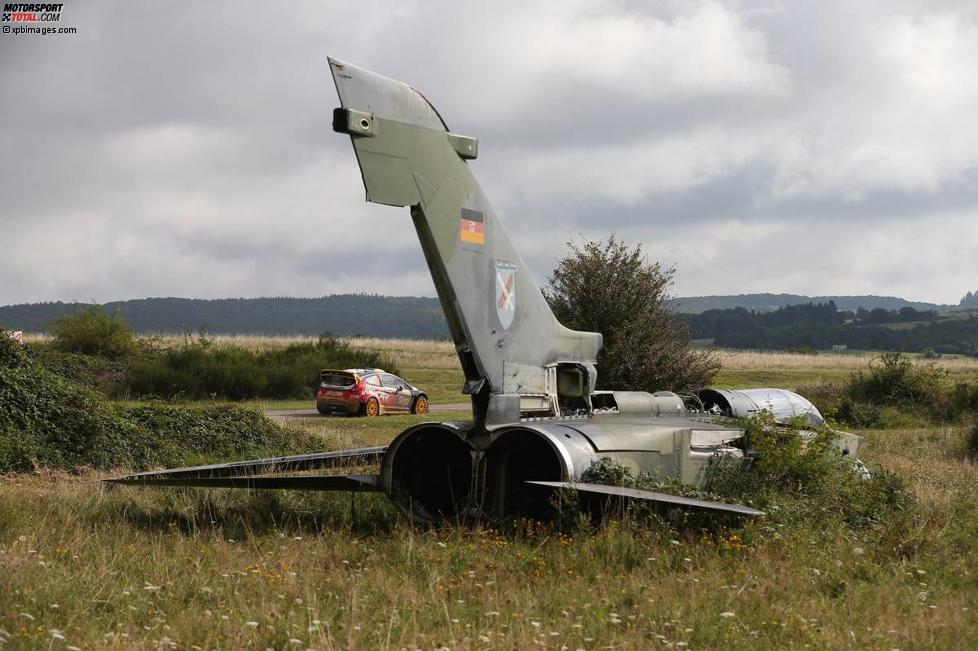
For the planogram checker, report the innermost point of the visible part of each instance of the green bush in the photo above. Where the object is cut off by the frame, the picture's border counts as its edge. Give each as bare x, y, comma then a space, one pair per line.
579, 509
605, 286
896, 392
11, 353
183, 435
88, 370
199, 369
796, 477
49, 421
827, 398
93, 332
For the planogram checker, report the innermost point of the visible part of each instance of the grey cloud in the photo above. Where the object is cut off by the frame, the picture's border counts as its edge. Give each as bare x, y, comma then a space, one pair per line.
189, 152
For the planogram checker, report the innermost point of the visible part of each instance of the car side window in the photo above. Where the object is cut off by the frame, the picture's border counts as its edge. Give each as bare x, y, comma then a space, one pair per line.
392, 381
373, 380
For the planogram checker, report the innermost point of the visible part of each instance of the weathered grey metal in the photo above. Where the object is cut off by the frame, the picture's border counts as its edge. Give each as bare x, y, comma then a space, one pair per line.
294, 463
350, 483
784, 405
639, 403
494, 308
652, 496
517, 358
383, 97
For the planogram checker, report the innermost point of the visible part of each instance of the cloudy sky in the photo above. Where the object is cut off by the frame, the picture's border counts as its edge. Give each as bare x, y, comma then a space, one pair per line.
185, 148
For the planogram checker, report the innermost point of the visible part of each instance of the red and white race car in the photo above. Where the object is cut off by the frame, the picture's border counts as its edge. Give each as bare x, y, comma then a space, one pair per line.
367, 392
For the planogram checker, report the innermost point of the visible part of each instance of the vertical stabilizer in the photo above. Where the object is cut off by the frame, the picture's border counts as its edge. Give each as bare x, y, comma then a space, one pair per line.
516, 356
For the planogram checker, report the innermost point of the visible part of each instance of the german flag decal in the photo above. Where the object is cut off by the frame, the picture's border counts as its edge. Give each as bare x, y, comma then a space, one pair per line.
473, 226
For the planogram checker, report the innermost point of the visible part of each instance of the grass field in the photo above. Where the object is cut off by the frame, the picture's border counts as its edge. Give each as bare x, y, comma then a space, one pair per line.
434, 366
85, 568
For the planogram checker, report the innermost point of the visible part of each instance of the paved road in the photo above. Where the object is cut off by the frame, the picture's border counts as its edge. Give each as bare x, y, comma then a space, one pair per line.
288, 414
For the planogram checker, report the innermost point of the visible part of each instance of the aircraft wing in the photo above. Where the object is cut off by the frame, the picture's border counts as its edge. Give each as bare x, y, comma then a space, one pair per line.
253, 473
652, 496
351, 483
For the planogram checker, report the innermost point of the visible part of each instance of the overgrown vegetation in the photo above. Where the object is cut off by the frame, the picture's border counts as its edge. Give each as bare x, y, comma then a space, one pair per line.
100, 351
896, 392
49, 421
603, 286
199, 369
805, 478
971, 446
140, 569
794, 477
99, 373
93, 331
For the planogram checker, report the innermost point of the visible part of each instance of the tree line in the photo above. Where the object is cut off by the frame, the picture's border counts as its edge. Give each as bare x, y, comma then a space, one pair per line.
820, 326
342, 314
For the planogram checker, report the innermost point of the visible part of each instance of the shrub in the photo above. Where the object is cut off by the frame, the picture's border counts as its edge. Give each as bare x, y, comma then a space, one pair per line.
896, 392
93, 332
608, 288
580, 509
199, 369
185, 435
795, 476
87, 370
11, 353
48, 421
827, 398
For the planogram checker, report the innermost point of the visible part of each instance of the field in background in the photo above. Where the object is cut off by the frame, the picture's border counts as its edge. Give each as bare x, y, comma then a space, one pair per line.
128, 568
433, 364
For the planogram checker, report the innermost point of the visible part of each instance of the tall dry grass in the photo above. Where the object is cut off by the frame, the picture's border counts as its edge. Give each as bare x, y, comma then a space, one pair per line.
139, 569
440, 354
768, 360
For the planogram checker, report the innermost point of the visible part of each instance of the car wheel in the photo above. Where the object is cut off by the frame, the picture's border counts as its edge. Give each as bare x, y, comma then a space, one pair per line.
420, 405
323, 410
372, 408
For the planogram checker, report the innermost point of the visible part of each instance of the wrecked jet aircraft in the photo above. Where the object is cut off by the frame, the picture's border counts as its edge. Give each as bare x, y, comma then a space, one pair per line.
537, 421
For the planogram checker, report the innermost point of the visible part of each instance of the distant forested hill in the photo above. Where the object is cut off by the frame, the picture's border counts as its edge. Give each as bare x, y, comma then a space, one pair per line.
821, 325
771, 302
807, 325
345, 314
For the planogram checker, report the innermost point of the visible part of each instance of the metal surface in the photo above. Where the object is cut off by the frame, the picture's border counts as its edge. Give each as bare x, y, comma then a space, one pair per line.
652, 496
383, 97
351, 483
537, 422
298, 462
784, 405
495, 310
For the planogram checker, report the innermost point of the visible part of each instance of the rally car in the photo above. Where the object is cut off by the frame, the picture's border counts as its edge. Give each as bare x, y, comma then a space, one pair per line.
367, 392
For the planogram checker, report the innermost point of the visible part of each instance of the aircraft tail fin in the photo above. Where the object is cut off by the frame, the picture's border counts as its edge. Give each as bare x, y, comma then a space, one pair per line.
516, 356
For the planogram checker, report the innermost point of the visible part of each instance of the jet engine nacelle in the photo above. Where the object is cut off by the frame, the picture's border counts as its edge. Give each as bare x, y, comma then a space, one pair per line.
784, 405
449, 470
